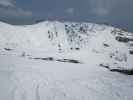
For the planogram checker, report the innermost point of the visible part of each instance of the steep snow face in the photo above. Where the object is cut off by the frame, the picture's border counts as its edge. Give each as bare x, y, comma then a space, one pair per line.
51, 35
111, 46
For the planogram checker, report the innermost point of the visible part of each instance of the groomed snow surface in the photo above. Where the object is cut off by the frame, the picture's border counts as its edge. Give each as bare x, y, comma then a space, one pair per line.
65, 61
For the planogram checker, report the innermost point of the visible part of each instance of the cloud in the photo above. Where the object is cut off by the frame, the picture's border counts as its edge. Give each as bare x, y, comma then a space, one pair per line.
15, 12
9, 9
69, 11
7, 3
101, 7
101, 11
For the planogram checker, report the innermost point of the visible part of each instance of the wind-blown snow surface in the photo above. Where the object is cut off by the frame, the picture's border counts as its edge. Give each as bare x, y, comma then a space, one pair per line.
64, 61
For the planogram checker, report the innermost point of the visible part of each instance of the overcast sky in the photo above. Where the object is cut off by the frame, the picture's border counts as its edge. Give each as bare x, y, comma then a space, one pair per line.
114, 12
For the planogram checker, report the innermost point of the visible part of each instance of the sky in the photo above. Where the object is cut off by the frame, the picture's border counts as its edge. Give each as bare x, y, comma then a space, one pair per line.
113, 12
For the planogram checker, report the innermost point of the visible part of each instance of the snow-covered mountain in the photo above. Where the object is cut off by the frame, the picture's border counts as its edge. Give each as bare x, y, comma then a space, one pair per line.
112, 46
65, 61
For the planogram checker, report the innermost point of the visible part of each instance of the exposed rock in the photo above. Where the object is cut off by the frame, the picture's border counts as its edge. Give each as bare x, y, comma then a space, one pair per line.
123, 71
120, 70
106, 45
7, 49
59, 60
122, 39
131, 52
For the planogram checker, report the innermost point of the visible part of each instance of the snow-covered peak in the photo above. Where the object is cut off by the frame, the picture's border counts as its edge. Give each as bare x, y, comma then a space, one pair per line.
114, 45
63, 36
57, 34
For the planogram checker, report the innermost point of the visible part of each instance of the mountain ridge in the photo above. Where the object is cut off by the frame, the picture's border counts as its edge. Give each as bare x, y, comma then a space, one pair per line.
114, 45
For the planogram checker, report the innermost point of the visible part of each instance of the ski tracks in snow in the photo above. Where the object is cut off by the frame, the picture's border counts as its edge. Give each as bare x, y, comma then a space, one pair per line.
37, 86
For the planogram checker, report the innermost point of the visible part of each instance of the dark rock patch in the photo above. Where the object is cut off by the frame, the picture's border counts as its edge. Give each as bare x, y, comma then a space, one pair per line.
71, 48
106, 45
130, 44
131, 52
59, 60
105, 66
8, 49
77, 48
68, 60
49, 58
122, 71
123, 39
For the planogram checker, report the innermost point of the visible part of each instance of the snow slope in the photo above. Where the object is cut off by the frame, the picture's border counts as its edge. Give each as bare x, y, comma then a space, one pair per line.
65, 61
113, 45
23, 79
